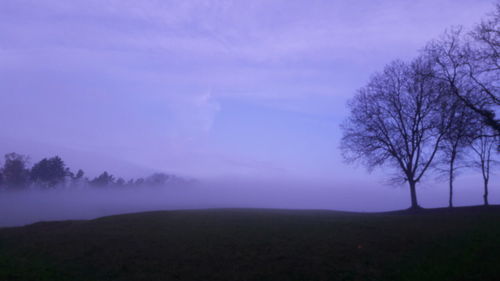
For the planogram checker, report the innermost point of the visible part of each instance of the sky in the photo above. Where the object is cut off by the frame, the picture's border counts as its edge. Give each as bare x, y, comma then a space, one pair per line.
206, 89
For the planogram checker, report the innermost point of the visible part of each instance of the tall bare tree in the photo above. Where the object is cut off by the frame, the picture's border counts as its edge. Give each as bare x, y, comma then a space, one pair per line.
483, 146
485, 66
457, 139
398, 119
453, 62
470, 64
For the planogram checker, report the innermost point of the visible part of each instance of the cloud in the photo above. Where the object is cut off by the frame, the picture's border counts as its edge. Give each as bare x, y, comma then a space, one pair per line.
195, 113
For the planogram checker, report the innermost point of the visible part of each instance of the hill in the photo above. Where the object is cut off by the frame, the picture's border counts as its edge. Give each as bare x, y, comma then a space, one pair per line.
256, 244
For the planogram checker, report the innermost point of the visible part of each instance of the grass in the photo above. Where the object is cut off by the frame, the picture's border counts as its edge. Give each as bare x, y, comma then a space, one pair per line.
254, 244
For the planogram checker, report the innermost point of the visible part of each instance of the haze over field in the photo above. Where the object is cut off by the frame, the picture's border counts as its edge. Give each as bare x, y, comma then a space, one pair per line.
245, 96
45, 205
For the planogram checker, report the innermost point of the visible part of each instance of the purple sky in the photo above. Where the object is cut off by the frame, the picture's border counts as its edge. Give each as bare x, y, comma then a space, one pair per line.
201, 88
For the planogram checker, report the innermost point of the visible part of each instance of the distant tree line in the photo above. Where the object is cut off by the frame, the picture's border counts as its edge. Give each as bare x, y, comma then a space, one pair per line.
436, 112
50, 173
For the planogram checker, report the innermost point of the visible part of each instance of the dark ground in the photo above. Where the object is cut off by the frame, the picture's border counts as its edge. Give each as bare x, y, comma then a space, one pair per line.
246, 244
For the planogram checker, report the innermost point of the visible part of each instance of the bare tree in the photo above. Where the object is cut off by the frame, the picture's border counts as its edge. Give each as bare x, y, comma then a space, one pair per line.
485, 68
484, 64
483, 148
458, 63
398, 119
456, 141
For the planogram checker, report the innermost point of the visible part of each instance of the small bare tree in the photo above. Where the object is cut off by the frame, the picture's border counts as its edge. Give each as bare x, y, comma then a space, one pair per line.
397, 119
483, 146
456, 141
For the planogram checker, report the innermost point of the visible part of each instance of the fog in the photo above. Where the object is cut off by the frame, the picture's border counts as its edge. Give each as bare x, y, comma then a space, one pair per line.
207, 89
21, 208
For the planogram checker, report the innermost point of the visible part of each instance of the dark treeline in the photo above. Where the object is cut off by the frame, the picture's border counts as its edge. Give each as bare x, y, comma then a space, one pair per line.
50, 173
435, 113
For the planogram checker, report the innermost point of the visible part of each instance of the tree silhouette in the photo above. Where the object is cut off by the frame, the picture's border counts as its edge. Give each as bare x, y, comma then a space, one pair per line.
77, 179
139, 182
464, 126
483, 148
52, 172
102, 180
15, 173
399, 119
485, 65
120, 182
49, 172
469, 64
157, 179
79, 175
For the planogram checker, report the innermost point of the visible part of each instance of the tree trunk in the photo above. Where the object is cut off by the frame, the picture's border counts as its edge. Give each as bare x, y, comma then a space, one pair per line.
450, 203
413, 194
485, 196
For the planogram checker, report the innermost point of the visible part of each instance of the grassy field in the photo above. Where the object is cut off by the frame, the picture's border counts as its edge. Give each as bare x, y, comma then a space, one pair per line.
246, 244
